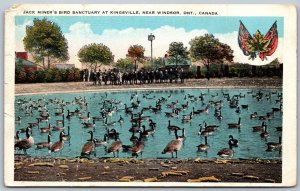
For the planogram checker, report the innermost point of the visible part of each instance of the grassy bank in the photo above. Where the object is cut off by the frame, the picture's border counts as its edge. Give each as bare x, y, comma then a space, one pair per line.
160, 170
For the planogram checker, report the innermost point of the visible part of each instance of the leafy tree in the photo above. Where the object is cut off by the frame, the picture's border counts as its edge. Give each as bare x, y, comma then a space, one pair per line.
94, 55
125, 64
209, 49
178, 52
46, 40
136, 53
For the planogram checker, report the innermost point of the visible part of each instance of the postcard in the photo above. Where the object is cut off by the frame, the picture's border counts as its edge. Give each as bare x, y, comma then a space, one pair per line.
168, 95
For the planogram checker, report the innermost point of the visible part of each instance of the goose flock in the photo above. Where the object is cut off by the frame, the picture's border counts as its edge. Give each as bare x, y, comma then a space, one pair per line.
161, 123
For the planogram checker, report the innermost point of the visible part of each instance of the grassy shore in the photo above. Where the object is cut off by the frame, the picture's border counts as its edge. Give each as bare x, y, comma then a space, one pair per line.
158, 170
192, 83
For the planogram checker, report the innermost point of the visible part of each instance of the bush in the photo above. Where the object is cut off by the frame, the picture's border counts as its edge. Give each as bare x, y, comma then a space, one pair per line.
47, 75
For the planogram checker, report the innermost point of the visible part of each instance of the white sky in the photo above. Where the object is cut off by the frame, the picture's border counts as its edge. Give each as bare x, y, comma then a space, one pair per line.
119, 40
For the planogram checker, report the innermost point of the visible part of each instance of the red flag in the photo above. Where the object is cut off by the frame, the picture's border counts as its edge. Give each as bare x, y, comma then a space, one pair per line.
243, 37
272, 36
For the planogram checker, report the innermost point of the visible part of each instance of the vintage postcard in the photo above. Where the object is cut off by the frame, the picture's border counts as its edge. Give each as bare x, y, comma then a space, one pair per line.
187, 95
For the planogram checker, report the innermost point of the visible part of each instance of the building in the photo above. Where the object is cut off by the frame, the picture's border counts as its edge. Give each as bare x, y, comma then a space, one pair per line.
21, 59
65, 66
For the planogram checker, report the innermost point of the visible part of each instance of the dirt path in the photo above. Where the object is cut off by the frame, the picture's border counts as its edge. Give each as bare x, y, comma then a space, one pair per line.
196, 83
161, 170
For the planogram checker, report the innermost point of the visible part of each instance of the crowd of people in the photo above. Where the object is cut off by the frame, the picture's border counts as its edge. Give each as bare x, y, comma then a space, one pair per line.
116, 77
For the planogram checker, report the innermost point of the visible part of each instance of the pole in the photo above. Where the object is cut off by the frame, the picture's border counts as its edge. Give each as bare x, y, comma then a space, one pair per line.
151, 53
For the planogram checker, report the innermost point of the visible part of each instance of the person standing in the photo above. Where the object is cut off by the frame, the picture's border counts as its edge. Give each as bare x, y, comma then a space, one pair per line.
99, 77
181, 75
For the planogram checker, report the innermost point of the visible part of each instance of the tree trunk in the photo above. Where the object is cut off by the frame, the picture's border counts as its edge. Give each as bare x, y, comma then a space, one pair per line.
48, 61
208, 71
43, 62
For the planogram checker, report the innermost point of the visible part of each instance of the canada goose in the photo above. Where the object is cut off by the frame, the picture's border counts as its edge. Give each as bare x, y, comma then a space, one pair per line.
188, 118
18, 120
217, 111
17, 138
274, 146
174, 113
121, 119
173, 146
226, 152
128, 110
233, 142
196, 112
233, 103
220, 117
210, 127
276, 109
110, 123
215, 96
101, 142
235, 125
172, 127
60, 121
253, 115
59, 128
203, 147
46, 129
152, 123
115, 146
184, 106
85, 118
87, 125
238, 110
258, 128
34, 124
89, 147
59, 113
26, 143
67, 137
148, 131
59, 145
204, 132
138, 147
69, 116
245, 106
45, 114
264, 134
44, 144
265, 117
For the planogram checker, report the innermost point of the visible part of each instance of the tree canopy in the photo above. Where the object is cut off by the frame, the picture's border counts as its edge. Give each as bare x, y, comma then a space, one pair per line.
45, 40
209, 49
136, 53
177, 52
94, 55
124, 64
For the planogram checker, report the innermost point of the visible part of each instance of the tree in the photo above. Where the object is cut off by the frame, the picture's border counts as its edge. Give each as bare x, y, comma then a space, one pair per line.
209, 49
125, 64
178, 52
94, 55
46, 40
136, 53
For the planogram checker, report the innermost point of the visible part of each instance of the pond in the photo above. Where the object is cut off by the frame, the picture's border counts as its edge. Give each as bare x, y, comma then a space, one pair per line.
251, 145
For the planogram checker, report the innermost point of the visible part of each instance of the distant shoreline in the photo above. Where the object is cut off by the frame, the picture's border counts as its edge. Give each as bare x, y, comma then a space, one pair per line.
213, 83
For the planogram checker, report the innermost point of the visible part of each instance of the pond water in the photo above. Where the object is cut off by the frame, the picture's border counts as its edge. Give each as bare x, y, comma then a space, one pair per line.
251, 145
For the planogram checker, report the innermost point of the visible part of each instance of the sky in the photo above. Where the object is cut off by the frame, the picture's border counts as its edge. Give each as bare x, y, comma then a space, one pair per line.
119, 32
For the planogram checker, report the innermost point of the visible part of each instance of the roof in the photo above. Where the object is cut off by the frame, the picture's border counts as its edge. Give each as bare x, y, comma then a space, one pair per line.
23, 62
